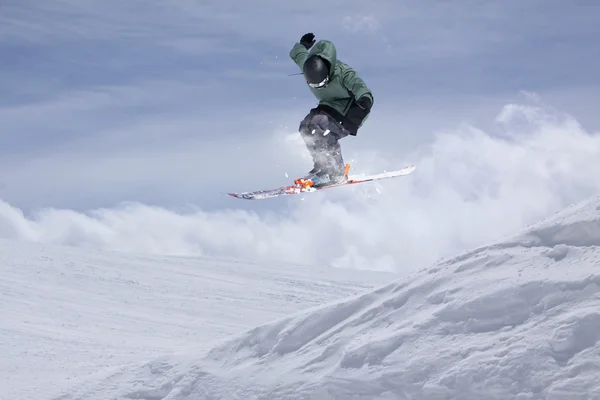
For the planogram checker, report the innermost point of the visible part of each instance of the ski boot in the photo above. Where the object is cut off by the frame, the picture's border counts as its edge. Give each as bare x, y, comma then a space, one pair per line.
323, 178
307, 180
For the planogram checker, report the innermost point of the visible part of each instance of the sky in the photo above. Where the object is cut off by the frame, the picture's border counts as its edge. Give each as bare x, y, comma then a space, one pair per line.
123, 124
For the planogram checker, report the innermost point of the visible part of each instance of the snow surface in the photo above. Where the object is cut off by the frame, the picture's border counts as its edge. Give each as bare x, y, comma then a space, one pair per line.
67, 314
519, 319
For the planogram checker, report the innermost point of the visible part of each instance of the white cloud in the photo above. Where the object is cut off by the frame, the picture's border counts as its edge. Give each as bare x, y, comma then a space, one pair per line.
171, 104
470, 187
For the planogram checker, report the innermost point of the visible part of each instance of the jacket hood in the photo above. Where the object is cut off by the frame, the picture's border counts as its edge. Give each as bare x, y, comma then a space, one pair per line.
326, 50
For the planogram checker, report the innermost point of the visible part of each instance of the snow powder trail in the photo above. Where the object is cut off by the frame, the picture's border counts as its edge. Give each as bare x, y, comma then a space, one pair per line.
519, 319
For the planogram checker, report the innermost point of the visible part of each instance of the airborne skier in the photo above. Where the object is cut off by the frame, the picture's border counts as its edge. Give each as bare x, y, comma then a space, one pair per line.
344, 104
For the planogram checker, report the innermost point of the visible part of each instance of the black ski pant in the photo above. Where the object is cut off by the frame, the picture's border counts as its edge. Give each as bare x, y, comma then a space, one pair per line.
321, 134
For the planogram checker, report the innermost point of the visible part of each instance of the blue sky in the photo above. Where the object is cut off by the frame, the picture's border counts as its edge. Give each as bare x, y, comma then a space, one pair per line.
170, 104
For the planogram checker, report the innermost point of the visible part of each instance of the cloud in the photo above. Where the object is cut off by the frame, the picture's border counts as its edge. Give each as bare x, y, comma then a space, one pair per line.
158, 106
471, 187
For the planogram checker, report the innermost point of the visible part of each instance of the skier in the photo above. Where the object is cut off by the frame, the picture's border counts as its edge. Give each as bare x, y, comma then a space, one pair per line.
344, 104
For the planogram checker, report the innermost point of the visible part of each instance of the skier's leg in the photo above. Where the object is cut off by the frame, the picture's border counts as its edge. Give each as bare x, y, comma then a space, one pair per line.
321, 134
327, 133
306, 132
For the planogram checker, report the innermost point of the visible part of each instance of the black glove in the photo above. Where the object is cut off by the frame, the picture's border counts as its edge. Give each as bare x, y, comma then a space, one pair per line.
308, 39
357, 113
365, 103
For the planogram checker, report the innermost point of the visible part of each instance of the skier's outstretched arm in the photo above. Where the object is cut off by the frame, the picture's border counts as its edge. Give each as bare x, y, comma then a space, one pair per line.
299, 52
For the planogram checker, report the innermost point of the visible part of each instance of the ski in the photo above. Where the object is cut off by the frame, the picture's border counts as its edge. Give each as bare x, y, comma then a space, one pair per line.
305, 187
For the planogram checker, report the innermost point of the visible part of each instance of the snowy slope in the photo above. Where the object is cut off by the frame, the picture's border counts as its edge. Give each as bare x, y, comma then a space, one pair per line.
69, 313
516, 320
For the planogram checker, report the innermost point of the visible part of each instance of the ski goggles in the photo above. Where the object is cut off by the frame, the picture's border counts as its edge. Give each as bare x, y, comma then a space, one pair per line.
319, 85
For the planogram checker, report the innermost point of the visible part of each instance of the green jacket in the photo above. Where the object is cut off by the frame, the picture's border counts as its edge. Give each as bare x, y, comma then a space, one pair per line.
344, 88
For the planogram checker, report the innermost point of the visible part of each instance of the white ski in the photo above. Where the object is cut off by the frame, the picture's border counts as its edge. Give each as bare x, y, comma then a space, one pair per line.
298, 189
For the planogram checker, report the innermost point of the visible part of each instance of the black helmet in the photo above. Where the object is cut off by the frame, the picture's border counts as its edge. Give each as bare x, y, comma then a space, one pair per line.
316, 71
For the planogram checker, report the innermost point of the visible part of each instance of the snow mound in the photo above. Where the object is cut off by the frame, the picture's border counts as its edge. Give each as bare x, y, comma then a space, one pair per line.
68, 313
516, 320
577, 225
